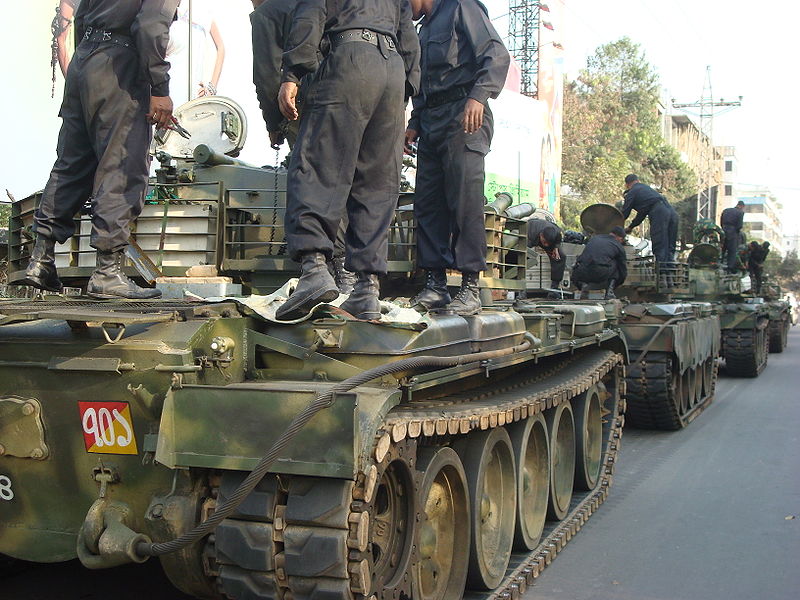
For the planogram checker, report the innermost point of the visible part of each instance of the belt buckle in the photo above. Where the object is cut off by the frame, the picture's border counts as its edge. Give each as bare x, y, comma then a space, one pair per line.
366, 35
106, 36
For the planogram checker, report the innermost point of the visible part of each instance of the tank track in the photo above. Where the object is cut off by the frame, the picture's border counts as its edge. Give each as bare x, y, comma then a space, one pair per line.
660, 398
746, 351
779, 334
313, 538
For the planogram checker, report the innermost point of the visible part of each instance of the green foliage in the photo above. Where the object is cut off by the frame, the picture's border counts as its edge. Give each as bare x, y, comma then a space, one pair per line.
5, 214
611, 128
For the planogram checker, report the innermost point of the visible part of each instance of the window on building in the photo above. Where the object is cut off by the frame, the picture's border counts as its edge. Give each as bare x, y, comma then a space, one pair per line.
756, 226
729, 165
729, 190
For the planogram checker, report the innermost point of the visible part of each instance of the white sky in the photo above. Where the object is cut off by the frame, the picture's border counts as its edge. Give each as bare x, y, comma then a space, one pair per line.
752, 50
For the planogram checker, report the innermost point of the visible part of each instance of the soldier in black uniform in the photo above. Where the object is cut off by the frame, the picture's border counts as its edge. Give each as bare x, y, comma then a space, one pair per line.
603, 261
731, 221
346, 153
755, 263
117, 85
547, 236
464, 63
271, 23
663, 219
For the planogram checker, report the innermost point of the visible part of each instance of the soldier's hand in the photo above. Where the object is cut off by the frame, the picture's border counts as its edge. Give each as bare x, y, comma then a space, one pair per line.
160, 113
411, 137
473, 116
275, 139
628, 229
286, 100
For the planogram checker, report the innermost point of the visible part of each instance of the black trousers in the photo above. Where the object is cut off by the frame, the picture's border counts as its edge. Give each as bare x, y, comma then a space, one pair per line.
600, 275
664, 232
756, 273
448, 197
102, 147
557, 266
348, 155
730, 248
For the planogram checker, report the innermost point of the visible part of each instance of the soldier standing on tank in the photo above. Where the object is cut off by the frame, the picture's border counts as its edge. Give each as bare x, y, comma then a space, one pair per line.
755, 263
271, 22
731, 220
464, 63
349, 147
547, 236
117, 86
603, 262
663, 219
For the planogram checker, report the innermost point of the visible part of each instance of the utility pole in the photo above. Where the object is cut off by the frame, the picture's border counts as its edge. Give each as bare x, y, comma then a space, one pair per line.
707, 109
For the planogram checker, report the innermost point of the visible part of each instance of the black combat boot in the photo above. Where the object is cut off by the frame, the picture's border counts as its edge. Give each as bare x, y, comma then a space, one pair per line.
363, 303
610, 290
345, 280
109, 281
316, 286
434, 294
467, 301
41, 272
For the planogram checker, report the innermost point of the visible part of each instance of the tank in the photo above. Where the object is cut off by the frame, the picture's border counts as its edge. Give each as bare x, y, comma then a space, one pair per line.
415, 457
780, 315
744, 318
673, 340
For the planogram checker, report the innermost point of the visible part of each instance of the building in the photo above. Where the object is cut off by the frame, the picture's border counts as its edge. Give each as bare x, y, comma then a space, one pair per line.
695, 149
762, 217
791, 243
729, 173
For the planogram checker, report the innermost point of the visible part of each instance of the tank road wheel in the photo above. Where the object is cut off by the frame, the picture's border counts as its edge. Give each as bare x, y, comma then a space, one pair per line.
489, 464
532, 458
444, 532
588, 438
392, 523
561, 427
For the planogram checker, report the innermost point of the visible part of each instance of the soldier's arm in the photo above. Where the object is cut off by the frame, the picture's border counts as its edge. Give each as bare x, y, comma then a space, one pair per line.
151, 33
301, 52
408, 47
627, 206
739, 220
490, 54
267, 58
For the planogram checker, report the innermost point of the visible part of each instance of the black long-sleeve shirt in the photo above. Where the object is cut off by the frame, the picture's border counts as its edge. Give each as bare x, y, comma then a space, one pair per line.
315, 18
271, 23
146, 21
460, 48
537, 227
641, 198
732, 217
605, 249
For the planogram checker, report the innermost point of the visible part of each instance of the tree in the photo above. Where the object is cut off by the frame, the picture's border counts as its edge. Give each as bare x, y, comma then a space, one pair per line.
611, 128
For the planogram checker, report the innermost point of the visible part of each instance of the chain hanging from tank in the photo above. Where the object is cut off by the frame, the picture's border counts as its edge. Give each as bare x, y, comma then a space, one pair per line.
56, 29
282, 247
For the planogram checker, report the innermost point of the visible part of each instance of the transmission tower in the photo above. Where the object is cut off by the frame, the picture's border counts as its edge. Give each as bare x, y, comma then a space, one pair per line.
523, 35
708, 108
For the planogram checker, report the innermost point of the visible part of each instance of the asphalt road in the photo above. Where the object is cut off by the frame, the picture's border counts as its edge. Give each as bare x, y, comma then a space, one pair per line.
699, 514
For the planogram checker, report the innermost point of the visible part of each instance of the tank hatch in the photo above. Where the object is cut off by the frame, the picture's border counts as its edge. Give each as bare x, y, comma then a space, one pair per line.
601, 218
215, 121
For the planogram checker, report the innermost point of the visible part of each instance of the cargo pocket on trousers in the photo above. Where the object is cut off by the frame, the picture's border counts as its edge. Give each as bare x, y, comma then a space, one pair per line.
477, 144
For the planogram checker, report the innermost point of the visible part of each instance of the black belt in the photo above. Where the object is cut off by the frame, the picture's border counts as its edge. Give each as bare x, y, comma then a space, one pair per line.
449, 95
110, 37
381, 40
